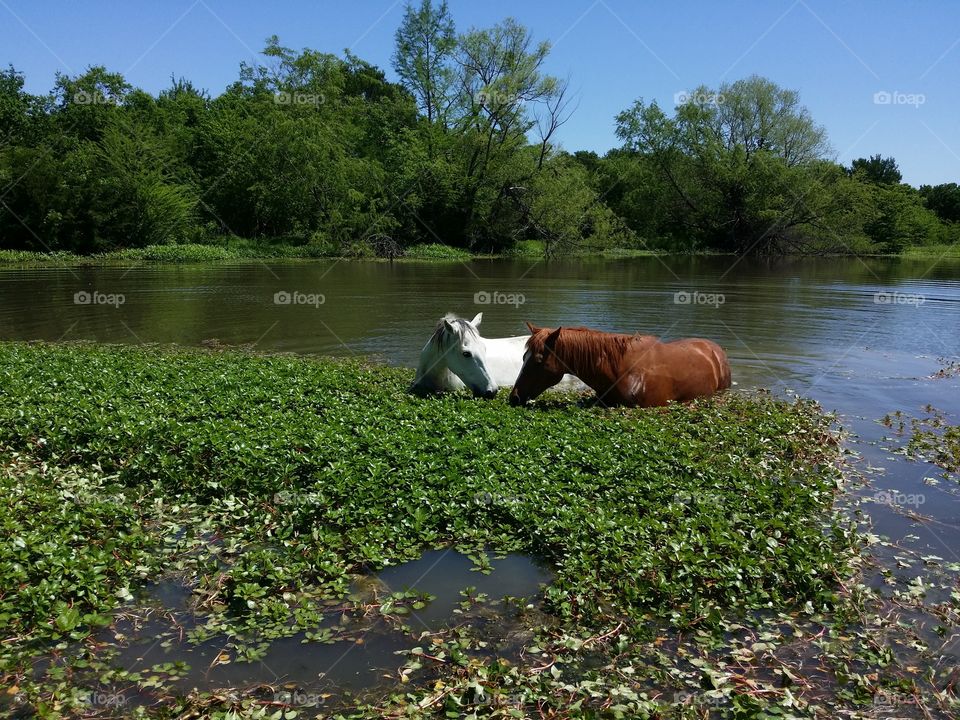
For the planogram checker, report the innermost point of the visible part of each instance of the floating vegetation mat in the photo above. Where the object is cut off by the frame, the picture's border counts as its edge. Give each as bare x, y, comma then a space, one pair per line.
243, 511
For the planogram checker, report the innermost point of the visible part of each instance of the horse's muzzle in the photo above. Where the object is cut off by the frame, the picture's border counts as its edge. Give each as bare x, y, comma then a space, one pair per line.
487, 394
515, 399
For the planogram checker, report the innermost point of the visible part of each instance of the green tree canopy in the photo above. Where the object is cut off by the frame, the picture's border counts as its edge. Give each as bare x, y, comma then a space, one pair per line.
877, 170
312, 148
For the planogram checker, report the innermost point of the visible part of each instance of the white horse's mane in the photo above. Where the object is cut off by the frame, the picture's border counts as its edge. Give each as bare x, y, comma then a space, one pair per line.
442, 337
503, 357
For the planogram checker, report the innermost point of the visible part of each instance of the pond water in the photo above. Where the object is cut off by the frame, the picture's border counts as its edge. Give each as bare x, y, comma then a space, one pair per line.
446, 575
864, 337
364, 652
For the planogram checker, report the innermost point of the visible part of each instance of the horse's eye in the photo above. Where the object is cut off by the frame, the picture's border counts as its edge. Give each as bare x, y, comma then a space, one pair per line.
538, 358
467, 354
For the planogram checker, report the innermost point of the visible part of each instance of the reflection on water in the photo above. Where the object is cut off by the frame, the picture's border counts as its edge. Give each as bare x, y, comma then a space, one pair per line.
351, 665
778, 318
445, 573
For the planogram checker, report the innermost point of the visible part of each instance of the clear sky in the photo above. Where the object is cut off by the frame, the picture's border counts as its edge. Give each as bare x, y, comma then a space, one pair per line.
839, 54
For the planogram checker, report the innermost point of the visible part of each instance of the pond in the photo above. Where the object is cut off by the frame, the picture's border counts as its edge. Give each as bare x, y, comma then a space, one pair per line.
152, 631
864, 337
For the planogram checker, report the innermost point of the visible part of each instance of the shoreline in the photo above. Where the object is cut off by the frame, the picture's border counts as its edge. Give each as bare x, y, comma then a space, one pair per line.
208, 254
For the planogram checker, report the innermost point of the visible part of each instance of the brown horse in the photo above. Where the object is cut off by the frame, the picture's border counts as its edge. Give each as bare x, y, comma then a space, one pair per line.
623, 369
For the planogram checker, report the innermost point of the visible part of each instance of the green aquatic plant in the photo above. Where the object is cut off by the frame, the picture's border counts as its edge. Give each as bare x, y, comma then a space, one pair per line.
932, 437
267, 483
683, 509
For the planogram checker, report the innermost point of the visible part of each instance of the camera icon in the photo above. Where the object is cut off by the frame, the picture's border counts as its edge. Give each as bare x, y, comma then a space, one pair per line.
681, 97
82, 97
882, 298
481, 298
283, 98
282, 298
82, 297
882, 97
682, 298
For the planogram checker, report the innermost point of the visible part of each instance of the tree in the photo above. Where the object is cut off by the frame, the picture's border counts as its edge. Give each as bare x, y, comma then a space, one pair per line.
564, 211
943, 199
425, 42
737, 161
876, 170
21, 114
500, 82
85, 104
755, 115
901, 219
138, 200
308, 147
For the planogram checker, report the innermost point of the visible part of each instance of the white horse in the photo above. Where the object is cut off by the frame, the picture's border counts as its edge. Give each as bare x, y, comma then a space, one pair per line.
456, 356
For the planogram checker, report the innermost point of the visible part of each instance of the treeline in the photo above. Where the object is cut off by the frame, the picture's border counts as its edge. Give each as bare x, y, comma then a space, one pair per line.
312, 149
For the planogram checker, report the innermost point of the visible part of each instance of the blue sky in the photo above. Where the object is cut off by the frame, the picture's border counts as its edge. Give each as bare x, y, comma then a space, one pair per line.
838, 54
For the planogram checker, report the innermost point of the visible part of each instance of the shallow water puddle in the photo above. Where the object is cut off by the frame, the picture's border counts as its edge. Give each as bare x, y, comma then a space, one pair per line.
444, 574
354, 663
150, 637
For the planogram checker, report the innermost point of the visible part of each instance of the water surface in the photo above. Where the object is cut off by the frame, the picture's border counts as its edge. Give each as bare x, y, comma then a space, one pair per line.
863, 337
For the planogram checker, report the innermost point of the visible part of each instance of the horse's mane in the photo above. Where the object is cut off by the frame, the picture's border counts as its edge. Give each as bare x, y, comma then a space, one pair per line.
580, 346
442, 338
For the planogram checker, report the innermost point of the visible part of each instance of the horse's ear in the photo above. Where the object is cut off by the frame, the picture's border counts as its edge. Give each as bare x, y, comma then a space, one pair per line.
552, 338
449, 325
476, 320
533, 328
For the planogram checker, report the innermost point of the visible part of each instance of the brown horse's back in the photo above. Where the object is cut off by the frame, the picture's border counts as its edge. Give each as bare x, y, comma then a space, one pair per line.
654, 373
622, 369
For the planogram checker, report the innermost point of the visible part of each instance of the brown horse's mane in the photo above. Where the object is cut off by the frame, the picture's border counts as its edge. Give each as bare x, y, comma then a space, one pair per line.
580, 346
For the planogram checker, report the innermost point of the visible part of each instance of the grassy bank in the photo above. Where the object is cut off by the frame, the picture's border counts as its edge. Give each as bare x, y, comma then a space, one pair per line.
244, 250
118, 462
186, 253
241, 250
933, 251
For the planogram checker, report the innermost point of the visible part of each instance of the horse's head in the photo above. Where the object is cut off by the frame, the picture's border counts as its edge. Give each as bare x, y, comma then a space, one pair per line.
541, 367
466, 354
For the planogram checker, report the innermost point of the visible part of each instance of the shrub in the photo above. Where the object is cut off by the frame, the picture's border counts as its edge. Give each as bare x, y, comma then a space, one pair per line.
436, 251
